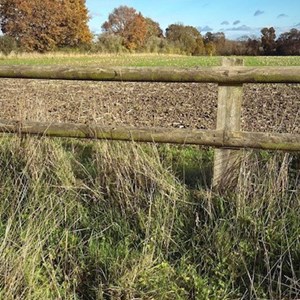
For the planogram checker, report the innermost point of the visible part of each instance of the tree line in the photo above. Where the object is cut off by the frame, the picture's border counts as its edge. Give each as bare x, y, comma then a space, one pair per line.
48, 25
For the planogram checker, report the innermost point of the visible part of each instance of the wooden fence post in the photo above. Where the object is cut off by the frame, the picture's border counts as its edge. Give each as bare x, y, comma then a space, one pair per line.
226, 162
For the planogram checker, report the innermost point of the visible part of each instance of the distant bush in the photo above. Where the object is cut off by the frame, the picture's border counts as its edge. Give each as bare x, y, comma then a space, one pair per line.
7, 44
81, 48
109, 43
153, 45
160, 45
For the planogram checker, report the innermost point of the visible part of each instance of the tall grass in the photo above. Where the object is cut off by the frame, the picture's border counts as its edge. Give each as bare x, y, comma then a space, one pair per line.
107, 220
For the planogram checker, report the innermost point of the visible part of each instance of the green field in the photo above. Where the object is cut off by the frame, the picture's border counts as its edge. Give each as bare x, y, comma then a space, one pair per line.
122, 221
140, 60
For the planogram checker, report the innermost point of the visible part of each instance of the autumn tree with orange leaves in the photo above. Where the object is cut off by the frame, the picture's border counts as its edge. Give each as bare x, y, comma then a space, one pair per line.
132, 26
137, 31
43, 25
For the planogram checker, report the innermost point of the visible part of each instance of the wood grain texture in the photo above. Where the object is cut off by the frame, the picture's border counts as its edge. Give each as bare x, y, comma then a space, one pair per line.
214, 138
227, 162
222, 75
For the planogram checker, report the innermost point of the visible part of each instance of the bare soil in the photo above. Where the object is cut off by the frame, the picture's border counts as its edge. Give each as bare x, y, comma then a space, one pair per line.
267, 107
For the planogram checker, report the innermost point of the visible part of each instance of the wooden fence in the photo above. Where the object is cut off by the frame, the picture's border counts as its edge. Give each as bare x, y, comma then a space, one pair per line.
214, 138
230, 78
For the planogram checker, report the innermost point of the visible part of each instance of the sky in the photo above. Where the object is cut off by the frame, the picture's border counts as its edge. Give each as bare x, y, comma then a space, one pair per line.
236, 18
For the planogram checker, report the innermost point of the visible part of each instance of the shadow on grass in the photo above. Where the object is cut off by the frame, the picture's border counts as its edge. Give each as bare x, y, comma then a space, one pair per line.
192, 165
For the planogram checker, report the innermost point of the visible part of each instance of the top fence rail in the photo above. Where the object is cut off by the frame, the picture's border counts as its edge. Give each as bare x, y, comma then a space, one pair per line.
220, 75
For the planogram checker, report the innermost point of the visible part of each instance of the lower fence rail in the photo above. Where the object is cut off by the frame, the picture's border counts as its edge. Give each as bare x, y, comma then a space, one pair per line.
214, 138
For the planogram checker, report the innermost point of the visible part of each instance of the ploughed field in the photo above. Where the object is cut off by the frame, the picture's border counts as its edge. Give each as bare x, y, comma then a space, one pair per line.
266, 107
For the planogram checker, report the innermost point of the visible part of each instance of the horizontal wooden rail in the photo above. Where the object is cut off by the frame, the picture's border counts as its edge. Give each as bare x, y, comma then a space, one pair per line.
221, 75
215, 138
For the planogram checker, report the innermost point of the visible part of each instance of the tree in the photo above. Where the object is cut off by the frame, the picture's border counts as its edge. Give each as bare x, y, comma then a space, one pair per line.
218, 40
110, 43
137, 31
252, 46
75, 30
210, 48
268, 40
27, 22
187, 38
288, 43
43, 25
7, 44
153, 29
200, 47
132, 26
119, 20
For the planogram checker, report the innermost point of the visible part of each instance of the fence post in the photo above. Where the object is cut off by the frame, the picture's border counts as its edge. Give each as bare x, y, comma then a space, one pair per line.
226, 162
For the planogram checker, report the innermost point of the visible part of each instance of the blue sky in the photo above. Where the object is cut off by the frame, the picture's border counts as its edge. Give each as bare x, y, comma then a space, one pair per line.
235, 18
